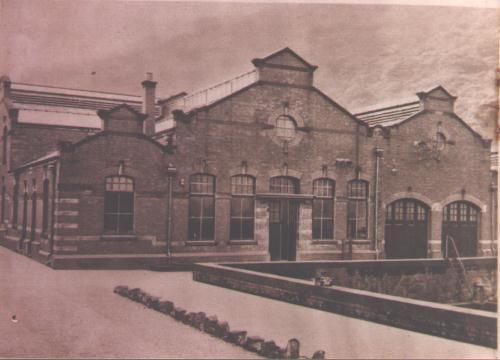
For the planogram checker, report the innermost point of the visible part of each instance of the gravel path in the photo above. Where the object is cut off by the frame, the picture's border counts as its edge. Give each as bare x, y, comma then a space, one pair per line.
69, 313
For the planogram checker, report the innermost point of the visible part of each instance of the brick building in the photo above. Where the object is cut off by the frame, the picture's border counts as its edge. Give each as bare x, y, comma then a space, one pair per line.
261, 167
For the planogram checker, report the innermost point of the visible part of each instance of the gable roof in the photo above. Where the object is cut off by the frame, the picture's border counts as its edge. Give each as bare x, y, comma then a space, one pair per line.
286, 50
436, 90
58, 106
104, 114
389, 115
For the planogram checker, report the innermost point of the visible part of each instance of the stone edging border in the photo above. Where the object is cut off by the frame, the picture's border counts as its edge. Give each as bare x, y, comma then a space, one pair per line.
214, 327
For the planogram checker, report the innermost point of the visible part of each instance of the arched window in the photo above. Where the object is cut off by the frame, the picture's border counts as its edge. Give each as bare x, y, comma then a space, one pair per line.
322, 211
45, 208
285, 127
357, 209
119, 205
201, 207
284, 185
242, 207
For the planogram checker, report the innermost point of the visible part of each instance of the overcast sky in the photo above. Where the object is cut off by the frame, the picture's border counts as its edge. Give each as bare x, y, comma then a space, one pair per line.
366, 53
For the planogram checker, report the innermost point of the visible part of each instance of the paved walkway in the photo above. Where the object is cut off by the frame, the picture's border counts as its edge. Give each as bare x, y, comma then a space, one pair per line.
76, 314
68, 313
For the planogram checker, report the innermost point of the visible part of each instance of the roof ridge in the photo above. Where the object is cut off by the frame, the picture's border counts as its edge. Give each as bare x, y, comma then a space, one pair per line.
72, 89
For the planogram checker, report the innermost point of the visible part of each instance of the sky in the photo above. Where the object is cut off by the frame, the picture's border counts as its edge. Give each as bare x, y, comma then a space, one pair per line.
365, 53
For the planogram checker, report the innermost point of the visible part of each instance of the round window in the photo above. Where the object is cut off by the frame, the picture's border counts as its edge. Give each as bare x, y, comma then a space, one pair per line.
285, 127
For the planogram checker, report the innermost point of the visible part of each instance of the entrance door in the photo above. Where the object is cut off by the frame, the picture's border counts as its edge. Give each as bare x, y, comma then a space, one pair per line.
283, 215
406, 227
460, 222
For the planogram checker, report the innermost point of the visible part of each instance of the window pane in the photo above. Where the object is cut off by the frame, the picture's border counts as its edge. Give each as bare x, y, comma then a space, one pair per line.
110, 222
358, 189
284, 185
316, 229
235, 229
202, 184
327, 208
207, 229
247, 207
111, 202
323, 187
285, 127
235, 207
242, 184
247, 229
126, 202
317, 207
208, 207
410, 210
194, 229
195, 207
125, 223
327, 229
119, 183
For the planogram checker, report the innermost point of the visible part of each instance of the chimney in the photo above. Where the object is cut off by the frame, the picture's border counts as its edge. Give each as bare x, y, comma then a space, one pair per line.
148, 104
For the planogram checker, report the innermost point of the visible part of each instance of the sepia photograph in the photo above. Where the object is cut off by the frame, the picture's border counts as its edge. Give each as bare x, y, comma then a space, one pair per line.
249, 179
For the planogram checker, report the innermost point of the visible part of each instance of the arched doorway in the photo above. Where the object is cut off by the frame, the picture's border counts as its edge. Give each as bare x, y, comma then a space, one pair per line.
460, 223
406, 229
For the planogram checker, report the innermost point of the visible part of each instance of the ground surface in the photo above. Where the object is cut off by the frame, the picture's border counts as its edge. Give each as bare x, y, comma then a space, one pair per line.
69, 313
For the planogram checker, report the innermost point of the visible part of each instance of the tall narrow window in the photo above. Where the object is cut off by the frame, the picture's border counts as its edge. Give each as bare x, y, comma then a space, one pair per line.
322, 212
25, 209
33, 211
15, 203
3, 199
119, 205
201, 207
4, 145
357, 209
45, 208
242, 207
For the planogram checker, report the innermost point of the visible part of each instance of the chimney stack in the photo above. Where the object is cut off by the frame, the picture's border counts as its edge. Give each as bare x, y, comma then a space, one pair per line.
148, 104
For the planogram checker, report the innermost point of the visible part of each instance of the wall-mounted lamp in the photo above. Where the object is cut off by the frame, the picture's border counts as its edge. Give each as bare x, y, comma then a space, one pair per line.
182, 182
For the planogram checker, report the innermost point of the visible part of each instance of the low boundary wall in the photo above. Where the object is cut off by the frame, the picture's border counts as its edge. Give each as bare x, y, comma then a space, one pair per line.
452, 322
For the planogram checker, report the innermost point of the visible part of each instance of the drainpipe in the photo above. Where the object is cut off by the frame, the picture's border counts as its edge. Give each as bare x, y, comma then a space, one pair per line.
53, 215
378, 154
171, 172
493, 190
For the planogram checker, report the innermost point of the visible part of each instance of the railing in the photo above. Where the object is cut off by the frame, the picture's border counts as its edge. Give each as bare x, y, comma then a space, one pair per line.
449, 239
214, 93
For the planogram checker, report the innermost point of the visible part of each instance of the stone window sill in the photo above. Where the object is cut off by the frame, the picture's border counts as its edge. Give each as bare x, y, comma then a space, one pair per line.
201, 243
325, 242
242, 242
361, 241
119, 237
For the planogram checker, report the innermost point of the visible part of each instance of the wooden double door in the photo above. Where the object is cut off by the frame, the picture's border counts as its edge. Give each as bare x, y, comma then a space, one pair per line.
460, 225
283, 220
406, 229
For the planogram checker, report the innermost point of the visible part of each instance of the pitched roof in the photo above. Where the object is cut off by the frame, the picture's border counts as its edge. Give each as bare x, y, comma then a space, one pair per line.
281, 52
47, 157
50, 105
388, 115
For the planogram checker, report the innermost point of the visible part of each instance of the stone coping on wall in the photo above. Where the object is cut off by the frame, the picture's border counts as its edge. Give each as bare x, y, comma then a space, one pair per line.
462, 324
306, 269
